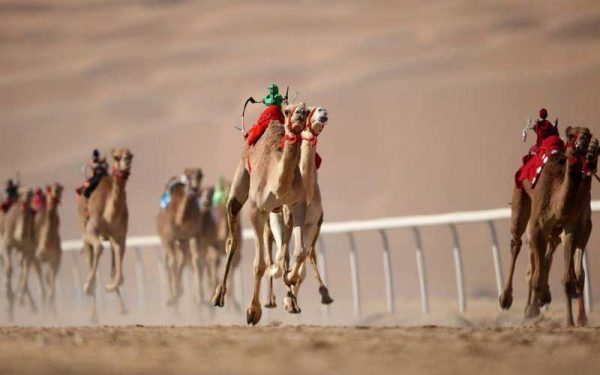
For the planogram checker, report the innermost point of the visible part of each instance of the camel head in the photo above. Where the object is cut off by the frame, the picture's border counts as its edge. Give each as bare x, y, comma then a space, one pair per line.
54, 193
578, 139
206, 198
591, 157
295, 118
317, 119
194, 178
25, 196
122, 158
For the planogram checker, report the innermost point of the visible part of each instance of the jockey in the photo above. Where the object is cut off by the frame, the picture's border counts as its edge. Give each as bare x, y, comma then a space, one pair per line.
542, 128
12, 194
548, 142
99, 167
273, 102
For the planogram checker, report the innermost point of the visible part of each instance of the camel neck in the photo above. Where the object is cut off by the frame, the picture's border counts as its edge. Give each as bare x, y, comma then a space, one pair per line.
118, 197
571, 184
186, 208
288, 164
308, 168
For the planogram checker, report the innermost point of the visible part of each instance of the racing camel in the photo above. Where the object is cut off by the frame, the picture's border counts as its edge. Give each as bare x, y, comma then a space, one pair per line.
17, 233
269, 177
48, 247
104, 216
309, 163
545, 211
179, 228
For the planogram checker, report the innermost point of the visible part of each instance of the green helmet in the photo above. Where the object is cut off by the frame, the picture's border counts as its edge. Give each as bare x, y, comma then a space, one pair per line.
273, 97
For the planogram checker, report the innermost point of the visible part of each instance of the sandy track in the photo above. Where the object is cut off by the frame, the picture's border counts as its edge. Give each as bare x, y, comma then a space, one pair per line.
297, 350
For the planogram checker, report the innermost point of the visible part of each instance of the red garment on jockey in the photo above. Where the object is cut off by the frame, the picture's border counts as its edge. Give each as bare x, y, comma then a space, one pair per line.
271, 113
543, 129
38, 201
533, 164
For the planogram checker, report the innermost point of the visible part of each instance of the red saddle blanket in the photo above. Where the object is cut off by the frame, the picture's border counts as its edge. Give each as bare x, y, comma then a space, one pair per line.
533, 163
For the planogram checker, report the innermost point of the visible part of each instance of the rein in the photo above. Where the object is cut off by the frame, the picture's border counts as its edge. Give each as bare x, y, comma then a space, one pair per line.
313, 140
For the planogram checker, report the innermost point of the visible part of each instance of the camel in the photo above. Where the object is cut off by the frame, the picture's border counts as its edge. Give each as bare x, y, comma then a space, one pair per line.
48, 246
314, 213
269, 177
180, 228
214, 236
17, 233
104, 216
554, 205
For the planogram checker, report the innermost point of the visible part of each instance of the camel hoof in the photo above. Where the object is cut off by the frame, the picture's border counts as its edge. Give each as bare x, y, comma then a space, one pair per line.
532, 311
291, 304
218, 299
271, 304
253, 314
325, 297
114, 285
506, 300
545, 297
582, 321
88, 288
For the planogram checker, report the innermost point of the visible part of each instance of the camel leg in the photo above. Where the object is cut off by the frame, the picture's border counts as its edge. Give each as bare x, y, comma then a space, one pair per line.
312, 256
538, 247
311, 231
8, 270
53, 272
299, 214
96, 252
258, 219
118, 252
583, 237
37, 266
115, 250
181, 257
521, 211
268, 243
237, 198
90, 285
568, 280
169, 260
197, 262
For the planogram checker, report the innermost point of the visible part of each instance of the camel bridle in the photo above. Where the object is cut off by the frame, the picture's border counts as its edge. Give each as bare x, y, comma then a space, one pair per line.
120, 174
313, 140
289, 136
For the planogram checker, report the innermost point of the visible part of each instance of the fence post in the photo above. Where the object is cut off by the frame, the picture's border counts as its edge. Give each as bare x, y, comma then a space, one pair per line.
387, 271
458, 267
588, 296
322, 264
140, 276
421, 269
354, 274
497, 259
163, 280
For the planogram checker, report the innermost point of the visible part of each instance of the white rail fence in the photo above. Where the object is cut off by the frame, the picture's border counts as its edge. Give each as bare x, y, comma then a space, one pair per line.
350, 228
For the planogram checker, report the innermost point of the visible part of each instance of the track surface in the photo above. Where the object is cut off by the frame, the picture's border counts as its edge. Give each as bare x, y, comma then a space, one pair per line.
298, 350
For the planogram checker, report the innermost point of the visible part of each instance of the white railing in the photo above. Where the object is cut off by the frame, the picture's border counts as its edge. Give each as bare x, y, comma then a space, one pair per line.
415, 223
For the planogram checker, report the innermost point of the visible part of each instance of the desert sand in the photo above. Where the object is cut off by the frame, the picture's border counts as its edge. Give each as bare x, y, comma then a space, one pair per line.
298, 350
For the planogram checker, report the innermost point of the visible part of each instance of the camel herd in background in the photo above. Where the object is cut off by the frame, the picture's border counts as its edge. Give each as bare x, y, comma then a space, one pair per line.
277, 179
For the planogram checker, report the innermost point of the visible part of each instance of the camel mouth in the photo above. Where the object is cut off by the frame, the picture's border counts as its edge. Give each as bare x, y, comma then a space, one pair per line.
323, 119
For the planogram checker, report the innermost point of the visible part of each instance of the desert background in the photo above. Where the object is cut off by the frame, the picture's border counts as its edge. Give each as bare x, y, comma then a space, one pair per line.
426, 101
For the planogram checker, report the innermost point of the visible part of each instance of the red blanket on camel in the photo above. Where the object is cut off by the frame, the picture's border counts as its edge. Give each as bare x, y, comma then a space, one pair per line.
533, 163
